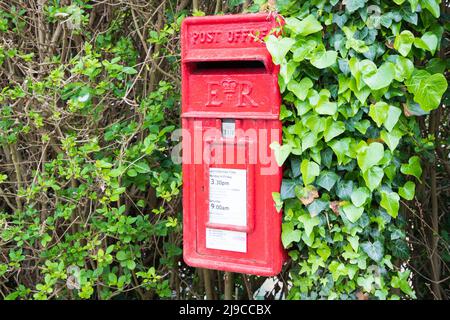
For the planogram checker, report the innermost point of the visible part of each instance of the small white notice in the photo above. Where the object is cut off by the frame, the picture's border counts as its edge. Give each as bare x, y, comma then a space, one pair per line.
226, 240
228, 196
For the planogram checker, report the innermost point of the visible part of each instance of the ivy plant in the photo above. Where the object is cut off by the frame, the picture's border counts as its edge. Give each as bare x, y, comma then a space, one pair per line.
353, 80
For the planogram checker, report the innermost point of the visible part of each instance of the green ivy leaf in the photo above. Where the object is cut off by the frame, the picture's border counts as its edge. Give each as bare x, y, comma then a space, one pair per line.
344, 189
390, 202
287, 70
324, 252
390, 171
278, 202
337, 269
300, 89
325, 59
427, 89
327, 179
309, 140
372, 177
326, 107
392, 117
362, 94
403, 42
131, 173
415, 81
407, 191
317, 206
404, 68
382, 78
333, 129
355, 69
412, 168
279, 47
400, 249
353, 5
378, 112
354, 242
362, 126
284, 112
369, 156
391, 138
315, 123
340, 148
310, 170
436, 65
432, 6
366, 283
374, 250
289, 234
427, 42
401, 281
302, 49
305, 27
308, 223
352, 212
287, 190
360, 196
281, 152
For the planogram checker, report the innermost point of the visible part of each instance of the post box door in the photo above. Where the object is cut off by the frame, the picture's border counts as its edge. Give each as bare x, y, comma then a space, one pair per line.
244, 232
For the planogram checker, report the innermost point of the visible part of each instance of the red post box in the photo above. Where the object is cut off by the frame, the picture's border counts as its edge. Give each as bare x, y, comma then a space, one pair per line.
230, 116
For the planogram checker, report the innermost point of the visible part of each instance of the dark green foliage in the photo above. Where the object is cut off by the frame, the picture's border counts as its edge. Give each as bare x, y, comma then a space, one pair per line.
352, 75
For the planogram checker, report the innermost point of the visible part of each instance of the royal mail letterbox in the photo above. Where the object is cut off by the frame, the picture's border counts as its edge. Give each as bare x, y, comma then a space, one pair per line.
230, 116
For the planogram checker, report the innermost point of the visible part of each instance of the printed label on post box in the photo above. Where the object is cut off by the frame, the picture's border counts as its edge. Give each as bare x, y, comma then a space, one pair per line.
226, 240
228, 196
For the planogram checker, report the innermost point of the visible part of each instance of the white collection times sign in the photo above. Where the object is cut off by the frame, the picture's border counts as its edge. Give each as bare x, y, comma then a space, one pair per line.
227, 205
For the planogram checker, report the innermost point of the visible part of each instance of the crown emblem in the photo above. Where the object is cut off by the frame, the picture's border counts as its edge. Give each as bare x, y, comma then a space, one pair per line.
229, 88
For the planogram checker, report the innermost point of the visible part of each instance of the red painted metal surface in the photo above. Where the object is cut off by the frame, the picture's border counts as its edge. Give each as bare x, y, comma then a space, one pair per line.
227, 73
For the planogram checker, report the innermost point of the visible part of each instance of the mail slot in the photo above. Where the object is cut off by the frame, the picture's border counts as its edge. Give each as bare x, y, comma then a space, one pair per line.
230, 116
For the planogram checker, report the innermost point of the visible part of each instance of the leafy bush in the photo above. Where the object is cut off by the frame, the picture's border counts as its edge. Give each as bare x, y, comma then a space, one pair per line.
353, 76
91, 195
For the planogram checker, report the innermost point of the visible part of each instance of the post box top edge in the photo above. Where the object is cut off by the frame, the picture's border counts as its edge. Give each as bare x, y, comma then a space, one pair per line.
228, 31
230, 18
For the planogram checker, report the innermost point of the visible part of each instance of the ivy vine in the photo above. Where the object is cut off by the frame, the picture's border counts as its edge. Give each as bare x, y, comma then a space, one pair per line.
354, 75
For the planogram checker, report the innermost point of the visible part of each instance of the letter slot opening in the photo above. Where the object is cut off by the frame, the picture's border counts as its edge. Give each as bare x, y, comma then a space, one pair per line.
224, 67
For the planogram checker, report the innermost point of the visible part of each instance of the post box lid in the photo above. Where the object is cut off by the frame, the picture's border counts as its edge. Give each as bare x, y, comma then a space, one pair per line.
217, 41
203, 36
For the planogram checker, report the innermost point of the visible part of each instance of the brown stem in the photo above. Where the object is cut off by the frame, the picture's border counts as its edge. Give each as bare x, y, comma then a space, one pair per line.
434, 258
55, 38
157, 47
183, 4
218, 6
5, 197
435, 262
229, 285
208, 284
41, 29
16, 161
248, 287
